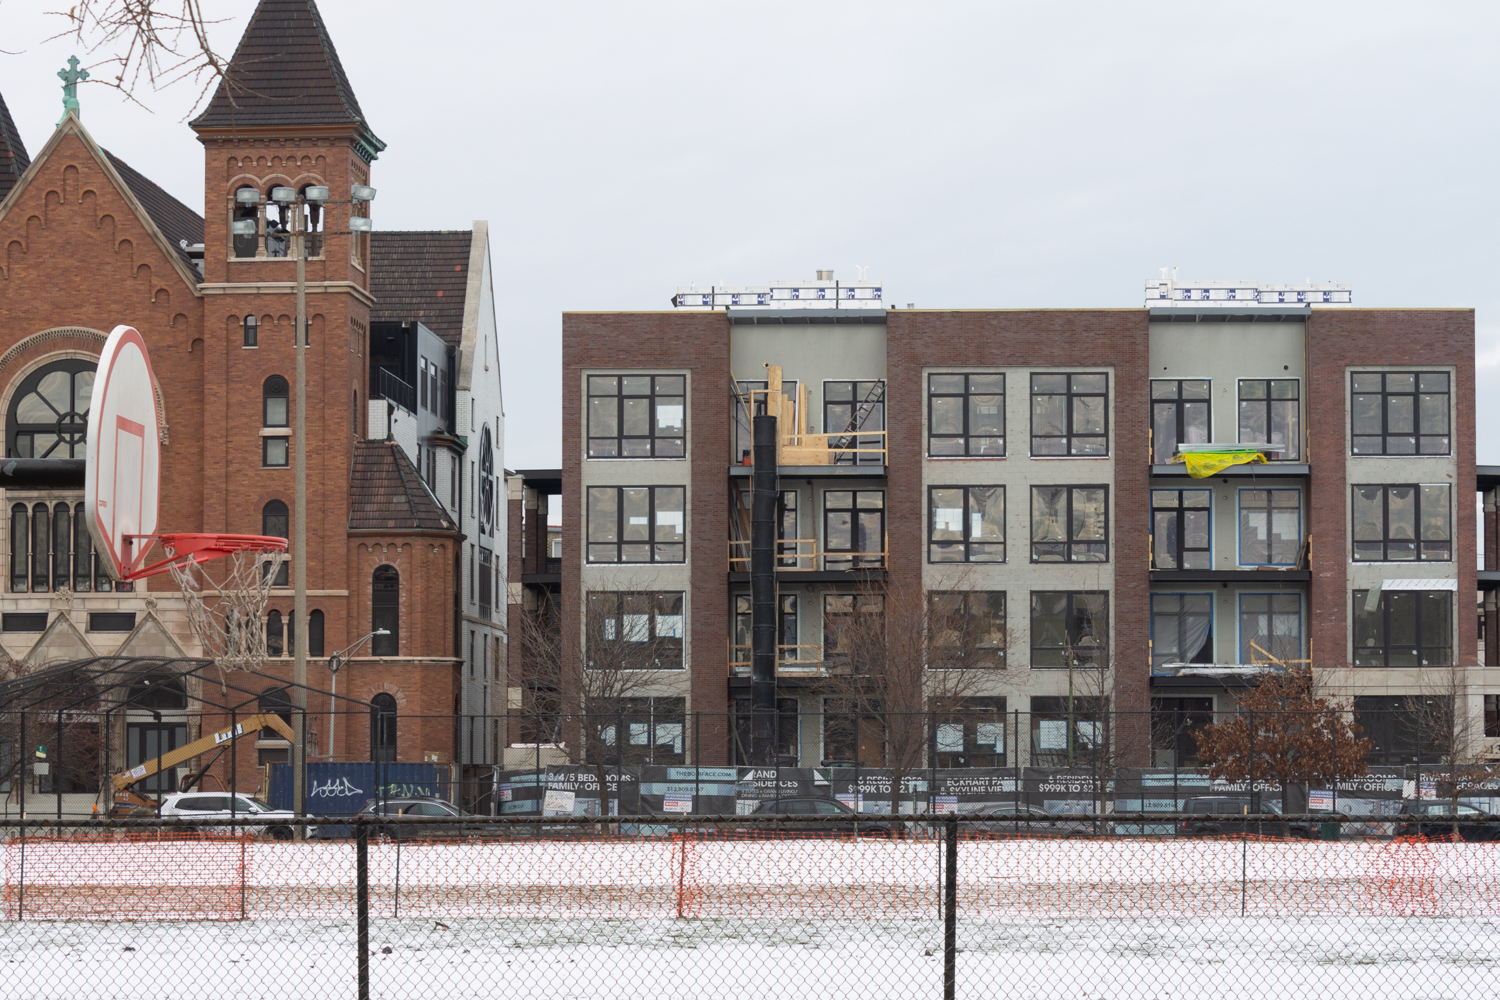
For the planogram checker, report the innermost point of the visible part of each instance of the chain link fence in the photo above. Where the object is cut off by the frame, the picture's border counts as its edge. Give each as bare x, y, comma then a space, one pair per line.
832, 906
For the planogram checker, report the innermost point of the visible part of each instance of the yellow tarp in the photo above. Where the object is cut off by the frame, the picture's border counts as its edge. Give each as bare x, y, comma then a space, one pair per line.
1202, 464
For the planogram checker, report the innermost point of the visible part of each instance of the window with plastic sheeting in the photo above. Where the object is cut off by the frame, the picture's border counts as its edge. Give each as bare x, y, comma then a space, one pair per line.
1182, 628
637, 416
1069, 628
1409, 523
966, 524
966, 414
1270, 627
1069, 524
1070, 414
1181, 529
1269, 413
1408, 628
1400, 413
1270, 527
966, 630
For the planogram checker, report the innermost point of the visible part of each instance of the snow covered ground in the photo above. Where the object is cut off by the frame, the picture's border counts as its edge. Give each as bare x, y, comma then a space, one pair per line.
1363, 959
761, 917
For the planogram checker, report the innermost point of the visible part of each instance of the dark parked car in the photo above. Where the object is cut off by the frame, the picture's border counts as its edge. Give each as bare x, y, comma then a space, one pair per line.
812, 807
1470, 826
1026, 821
1215, 815
424, 807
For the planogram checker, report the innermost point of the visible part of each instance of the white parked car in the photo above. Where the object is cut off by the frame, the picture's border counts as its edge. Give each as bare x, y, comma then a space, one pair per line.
259, 817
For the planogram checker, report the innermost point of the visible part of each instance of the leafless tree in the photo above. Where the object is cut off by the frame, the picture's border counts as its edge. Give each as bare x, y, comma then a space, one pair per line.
144, 42
584, 679
60, 715
1444, 726
902, 661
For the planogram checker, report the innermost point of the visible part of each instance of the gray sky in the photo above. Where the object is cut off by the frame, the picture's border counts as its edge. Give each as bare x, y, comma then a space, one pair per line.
971, 155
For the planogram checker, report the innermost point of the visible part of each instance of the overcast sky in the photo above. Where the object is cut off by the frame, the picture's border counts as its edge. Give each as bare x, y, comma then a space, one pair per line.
1004, 155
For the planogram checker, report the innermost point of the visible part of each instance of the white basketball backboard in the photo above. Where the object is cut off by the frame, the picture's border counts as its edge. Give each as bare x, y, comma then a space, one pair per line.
123, 455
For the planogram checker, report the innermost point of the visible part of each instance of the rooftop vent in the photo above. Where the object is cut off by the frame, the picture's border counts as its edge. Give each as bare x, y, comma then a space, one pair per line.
825, 275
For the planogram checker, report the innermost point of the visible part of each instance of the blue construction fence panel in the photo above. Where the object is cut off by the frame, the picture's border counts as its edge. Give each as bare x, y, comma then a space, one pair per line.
342, 789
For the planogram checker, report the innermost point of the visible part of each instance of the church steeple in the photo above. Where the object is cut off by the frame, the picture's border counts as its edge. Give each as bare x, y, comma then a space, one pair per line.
13, 156
286, 72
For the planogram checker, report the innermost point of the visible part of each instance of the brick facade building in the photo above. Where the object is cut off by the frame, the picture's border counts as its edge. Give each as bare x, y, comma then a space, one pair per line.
405, 426
1021, 466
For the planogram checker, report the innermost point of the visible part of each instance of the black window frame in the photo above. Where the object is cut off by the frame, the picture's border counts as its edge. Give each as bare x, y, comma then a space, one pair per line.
655, 547
1181, 614
646, 716
1070, 395
968, 714
66, 557
743, 428
653, 602
786, 628
70, 436
1419, 544
857, 431
788, 737
1385, 395
1294, 442
1070, 542
1423, 604
1179, 404
1073, 616
966, 653
969, 549
250, 327
384, 726
853, 558
276, 387
859, 604
1269, 509
1176, 540
964, 439
671, 446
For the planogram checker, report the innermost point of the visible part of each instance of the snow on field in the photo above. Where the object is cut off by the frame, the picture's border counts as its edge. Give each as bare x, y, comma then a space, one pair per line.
1366, 959
760, 917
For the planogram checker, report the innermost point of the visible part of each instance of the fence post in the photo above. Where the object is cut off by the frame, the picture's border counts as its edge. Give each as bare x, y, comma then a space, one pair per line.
950, 907
362, 902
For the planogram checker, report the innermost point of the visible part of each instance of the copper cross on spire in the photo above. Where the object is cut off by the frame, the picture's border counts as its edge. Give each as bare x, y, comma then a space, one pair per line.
71, 77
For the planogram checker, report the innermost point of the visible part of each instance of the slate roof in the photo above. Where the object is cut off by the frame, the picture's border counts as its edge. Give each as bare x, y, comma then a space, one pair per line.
176, 221
386, 494
285, 72
13, 156
421, 276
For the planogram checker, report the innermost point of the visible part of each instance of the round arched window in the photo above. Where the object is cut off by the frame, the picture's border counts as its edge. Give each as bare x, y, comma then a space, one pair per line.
49, 414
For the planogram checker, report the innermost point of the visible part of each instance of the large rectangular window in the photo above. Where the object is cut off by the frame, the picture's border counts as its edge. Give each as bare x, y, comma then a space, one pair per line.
853, 630
634, 631
637, 416
1069, 628
1408, 628
1270, 527
966, 524
636, 524
1067, 731
1070, 414
966, 415
854, 419
1270, 627
1399, 413
1179, 415
1402, 523
1180, 530
1269, 414
1069, 524
1182, 627
787, 716
966, 629
786, 630
853, 529
971, 734
654, 732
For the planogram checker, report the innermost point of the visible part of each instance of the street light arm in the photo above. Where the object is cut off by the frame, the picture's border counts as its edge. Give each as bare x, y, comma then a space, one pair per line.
337, 659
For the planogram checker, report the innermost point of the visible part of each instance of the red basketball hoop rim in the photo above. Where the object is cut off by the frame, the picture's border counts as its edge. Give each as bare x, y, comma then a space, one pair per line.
196, 547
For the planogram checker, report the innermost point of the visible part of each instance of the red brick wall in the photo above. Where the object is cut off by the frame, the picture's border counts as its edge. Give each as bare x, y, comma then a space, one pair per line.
1083, 338
698, 342
1337, 338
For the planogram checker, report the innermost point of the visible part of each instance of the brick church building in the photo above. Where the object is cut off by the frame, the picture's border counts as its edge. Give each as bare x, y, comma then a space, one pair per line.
405, 423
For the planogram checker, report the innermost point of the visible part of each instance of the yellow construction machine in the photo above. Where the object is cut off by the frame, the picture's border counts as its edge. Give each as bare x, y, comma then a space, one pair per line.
128, 802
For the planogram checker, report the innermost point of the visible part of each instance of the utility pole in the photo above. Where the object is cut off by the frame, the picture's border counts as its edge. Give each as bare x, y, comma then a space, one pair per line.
299, 531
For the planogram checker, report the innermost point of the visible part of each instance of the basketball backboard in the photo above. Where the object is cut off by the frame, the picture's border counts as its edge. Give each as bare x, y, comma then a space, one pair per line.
122, 471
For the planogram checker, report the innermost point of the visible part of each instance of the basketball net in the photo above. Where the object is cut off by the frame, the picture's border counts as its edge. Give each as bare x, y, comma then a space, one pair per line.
228, 614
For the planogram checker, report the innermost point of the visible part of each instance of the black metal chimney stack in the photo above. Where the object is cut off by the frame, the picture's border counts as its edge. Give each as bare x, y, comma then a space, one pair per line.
763, 595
